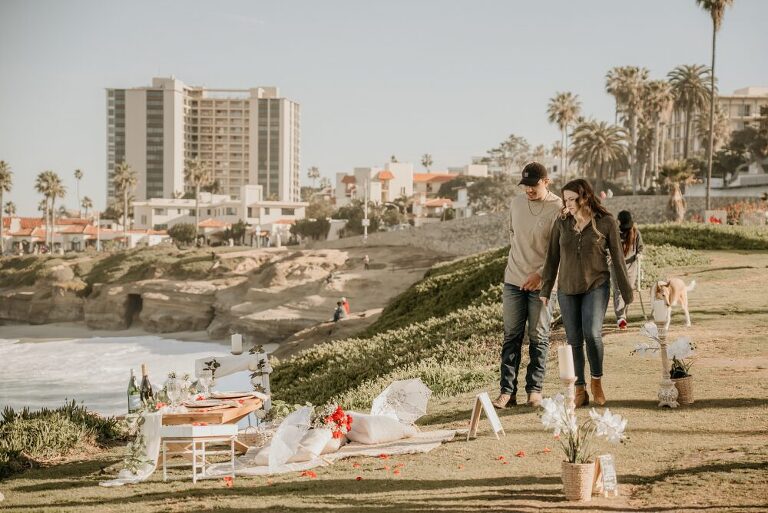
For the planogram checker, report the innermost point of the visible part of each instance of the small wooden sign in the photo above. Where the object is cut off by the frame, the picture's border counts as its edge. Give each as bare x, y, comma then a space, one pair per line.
605, 476
483, 402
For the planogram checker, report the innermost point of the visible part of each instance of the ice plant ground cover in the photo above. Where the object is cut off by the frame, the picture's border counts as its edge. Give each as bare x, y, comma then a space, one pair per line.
710, 455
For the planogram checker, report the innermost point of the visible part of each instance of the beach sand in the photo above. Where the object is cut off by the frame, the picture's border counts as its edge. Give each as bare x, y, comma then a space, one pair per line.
77, 330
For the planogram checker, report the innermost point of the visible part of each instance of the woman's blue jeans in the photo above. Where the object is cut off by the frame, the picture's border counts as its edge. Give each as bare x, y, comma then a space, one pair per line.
583, 316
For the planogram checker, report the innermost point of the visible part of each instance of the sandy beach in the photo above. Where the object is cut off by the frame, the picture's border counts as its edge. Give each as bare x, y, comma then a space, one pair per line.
77, 330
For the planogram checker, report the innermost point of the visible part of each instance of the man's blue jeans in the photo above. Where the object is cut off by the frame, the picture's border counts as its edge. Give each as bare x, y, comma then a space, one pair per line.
583, 316
519, 307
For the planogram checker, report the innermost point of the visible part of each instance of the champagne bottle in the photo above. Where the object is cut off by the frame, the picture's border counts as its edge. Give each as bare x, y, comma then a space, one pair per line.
134, 396
146, 387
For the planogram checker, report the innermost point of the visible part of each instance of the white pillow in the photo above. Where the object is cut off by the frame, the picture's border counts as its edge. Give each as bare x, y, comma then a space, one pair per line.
377, 429
312, 445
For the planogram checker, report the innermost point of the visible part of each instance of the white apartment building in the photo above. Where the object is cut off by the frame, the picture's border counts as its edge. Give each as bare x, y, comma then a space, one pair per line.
742, 109
247, 136
219, 210
382, 185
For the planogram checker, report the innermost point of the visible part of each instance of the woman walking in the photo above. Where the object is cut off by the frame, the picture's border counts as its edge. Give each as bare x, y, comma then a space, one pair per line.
632, 246
582, 239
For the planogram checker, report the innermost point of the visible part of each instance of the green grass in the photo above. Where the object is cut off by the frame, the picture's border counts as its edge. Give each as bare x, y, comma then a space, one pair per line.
706, 236
29, 438
445, 288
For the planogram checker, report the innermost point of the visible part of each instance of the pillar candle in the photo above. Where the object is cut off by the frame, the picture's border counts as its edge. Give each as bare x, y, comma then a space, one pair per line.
565, 362
237, 343
659, 311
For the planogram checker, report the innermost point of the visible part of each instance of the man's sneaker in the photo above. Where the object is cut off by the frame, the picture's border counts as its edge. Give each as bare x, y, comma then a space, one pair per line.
622, 324
534, 399
504, 401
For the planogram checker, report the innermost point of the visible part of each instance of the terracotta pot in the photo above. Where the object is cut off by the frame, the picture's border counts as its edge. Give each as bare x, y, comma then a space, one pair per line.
577, 480
684, 389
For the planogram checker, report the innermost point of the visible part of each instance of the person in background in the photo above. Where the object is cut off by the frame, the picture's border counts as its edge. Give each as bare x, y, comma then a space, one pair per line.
345, 304
366, 262
582, 239
531, 217
632, 244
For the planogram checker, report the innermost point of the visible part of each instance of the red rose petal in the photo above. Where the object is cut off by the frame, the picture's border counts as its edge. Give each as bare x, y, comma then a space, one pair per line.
520, 454
546, 450
359, 478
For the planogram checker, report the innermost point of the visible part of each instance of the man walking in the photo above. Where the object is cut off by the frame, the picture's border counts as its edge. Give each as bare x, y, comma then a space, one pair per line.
531, 217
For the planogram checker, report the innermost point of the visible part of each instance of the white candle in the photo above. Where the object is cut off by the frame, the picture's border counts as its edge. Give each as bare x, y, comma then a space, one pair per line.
237, 343
565, 362
659, 311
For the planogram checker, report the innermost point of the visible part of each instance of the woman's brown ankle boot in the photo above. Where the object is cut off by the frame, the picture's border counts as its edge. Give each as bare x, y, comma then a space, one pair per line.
597, 391
582, 398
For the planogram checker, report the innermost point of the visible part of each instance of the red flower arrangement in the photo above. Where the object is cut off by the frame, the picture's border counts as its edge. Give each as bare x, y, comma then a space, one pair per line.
337, 420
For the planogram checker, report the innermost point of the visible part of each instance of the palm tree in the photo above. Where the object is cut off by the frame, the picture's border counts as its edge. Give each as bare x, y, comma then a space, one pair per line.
562, 110
673, 174
719, 132
627, 85
426, 161
313, 173
197, 174
657, 100
125, 180
43, 186
690, 94
600, 147
716, 10
78, 177
86, 204
6, 183
57, 190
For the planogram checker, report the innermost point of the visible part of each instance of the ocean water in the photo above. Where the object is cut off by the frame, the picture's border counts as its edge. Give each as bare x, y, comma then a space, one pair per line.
95, 371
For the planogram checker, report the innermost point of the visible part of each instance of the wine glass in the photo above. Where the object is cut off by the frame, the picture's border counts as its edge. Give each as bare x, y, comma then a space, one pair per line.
173, 388
205, 379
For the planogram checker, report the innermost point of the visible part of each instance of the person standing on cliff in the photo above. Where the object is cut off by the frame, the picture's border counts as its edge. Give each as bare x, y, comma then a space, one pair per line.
531, 217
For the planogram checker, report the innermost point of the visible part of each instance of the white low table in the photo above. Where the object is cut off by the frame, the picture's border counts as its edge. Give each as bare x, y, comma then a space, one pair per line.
193, 440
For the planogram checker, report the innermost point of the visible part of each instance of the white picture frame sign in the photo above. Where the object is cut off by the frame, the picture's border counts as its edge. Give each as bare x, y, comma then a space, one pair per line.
605, 476
483, 403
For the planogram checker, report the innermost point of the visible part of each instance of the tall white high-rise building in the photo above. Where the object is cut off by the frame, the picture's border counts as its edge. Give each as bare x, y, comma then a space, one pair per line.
247, 136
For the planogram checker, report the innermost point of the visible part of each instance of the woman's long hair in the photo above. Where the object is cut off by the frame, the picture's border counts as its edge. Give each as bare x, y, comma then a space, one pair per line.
628, 238
587, 199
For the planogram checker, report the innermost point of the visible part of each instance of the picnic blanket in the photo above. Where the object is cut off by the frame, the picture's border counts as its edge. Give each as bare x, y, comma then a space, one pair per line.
421, 442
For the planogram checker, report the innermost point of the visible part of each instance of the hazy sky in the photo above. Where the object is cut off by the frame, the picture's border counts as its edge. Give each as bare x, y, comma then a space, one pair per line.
373, 79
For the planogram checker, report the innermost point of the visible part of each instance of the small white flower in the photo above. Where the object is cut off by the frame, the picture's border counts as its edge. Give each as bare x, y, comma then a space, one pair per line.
680, 348
610, 426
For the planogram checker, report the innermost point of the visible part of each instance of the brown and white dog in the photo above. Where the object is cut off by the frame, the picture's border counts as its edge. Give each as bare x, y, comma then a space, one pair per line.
673, 291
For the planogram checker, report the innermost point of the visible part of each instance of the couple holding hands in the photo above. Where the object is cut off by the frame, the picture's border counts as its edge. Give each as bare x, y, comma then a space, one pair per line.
566, 240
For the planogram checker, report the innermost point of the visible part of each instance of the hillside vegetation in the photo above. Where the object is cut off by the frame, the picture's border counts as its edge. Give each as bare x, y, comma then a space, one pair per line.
445, 329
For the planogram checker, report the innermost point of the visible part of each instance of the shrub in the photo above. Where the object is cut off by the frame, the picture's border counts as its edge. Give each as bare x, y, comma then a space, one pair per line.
706, 236
659, 258
445, 288
467, 338
183, 233
29, 437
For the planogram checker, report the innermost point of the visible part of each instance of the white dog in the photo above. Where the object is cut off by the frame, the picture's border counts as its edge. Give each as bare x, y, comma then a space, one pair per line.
673, 291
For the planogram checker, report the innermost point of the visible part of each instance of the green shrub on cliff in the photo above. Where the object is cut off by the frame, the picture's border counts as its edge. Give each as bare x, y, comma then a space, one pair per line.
706, 236
29, 438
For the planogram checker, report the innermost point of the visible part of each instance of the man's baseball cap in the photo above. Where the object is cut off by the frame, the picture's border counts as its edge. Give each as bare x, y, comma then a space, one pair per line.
532, 173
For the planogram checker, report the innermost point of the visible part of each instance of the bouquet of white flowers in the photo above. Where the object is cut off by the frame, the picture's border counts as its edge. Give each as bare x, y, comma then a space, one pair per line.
577, 440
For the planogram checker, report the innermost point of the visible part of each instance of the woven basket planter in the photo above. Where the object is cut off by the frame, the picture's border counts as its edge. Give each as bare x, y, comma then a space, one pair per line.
577, 480
684, 389
254, 438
